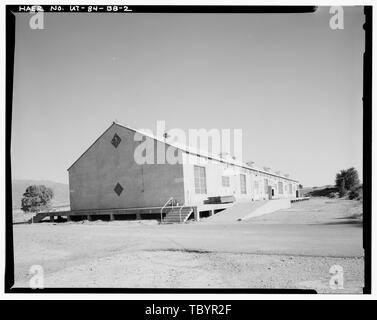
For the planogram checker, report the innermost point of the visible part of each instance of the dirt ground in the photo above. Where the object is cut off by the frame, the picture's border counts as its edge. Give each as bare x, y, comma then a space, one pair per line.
292, 248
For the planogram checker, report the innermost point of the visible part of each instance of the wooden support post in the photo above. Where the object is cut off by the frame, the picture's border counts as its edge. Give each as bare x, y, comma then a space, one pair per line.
112, 217
51, 218
69, 218
90, 217
138, 216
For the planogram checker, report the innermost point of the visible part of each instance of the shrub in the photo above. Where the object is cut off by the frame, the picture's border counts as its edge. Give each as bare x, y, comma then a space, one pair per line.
355, 193
325, 192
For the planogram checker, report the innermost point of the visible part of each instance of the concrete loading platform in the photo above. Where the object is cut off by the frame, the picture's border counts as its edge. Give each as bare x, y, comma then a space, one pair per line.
174, 214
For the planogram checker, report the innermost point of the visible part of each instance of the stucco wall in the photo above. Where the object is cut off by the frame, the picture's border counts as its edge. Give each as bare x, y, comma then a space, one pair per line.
215, 170
93, 177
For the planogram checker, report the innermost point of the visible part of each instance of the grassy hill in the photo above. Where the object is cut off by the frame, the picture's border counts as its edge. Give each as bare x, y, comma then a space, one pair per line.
331, 191
61, 191
322, 191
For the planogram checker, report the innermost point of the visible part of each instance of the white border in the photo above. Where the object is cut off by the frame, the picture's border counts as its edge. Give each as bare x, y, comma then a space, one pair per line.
174, 296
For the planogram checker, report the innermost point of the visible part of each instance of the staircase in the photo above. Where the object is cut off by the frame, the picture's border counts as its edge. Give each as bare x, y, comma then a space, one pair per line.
39, 217
178, 215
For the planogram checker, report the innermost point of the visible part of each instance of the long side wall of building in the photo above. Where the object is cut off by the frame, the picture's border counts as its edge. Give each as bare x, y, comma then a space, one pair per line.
222, 179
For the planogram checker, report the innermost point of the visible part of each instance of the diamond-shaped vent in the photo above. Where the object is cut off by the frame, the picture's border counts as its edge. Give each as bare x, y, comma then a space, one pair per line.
118, 189
116, 140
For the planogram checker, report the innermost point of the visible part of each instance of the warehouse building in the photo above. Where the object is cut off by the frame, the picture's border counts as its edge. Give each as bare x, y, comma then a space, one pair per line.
107, 179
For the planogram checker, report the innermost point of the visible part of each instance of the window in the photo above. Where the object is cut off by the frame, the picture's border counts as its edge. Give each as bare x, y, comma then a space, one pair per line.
280, 184
225, 181
200, 179
243, 183
290, 188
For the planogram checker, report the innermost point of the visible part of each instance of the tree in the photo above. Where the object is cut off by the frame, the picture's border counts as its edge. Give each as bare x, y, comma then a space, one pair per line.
342, 188
300, 186
36, 198
347, 179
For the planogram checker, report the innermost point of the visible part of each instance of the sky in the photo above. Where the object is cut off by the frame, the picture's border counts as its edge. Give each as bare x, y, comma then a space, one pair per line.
290, 82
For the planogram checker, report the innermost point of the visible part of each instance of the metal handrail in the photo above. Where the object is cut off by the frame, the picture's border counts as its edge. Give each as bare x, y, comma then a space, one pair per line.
166, 203
180, 210
192, 210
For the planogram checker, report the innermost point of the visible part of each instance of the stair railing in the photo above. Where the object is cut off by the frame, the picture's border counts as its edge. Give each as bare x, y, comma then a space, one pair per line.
188, 215
192, 210
165, 205
180, 211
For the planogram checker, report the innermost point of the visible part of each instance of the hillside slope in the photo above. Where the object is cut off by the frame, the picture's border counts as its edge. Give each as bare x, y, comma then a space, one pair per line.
322, 191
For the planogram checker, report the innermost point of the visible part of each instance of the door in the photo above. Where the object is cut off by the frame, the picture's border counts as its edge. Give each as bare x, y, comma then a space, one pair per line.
270, 192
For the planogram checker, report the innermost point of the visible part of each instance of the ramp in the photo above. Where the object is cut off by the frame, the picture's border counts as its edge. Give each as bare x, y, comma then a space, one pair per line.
246, 210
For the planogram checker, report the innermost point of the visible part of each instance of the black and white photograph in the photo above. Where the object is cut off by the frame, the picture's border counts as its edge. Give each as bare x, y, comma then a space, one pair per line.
213, 149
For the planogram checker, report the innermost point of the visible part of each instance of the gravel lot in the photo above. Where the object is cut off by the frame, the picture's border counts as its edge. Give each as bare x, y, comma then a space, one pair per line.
292, 248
